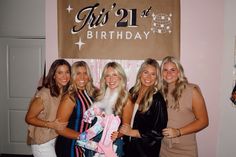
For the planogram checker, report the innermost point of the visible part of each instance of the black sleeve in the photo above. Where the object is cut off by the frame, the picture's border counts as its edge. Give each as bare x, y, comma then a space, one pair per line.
158, 112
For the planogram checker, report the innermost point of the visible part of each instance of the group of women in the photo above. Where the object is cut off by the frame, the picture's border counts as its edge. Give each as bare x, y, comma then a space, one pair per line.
159, 115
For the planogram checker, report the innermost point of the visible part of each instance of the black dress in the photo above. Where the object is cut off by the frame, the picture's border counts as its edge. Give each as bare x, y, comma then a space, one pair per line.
150, 125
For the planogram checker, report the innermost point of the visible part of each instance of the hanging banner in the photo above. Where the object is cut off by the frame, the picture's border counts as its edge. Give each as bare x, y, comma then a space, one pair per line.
118, 29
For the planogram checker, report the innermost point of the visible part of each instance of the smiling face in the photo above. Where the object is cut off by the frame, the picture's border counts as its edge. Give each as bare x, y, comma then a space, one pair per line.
148, 76
62, 75
82, 77
170, 73
112, 78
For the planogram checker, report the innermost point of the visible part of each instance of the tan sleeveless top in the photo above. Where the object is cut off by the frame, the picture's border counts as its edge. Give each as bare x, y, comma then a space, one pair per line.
182, 117
39, 135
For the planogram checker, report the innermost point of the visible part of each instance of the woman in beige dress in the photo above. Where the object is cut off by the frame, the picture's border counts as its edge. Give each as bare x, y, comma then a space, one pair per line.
41, 115
187, 112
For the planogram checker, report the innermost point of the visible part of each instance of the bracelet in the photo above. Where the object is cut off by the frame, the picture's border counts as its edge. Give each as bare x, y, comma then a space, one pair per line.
179, 133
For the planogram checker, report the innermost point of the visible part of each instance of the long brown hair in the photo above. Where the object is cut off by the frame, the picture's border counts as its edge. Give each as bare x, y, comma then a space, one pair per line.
50, 81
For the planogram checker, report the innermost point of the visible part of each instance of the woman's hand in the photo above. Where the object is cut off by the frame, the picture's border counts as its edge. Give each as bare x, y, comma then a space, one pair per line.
114, 135
171, 132
57, 125
128, 131
125, 129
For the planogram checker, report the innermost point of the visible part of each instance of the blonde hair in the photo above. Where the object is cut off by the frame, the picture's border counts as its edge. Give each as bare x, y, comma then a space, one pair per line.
90, 87
147, 99
122, 92
180, 84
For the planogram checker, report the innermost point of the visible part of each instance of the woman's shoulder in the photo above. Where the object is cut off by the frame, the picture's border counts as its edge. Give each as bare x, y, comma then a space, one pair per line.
68, 97
43, 93
44, 90
158, 101
190, 89
158, 94
192, 86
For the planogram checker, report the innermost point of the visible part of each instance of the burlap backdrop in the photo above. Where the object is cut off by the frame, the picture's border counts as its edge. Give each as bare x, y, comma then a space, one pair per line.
119, 29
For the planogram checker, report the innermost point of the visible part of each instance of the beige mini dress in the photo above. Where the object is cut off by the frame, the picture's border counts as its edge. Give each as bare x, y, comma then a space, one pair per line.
186, 145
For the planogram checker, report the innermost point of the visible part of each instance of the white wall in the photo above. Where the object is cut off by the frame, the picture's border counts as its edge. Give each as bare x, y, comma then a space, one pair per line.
206, 63
227, 131
201, 54
24, 18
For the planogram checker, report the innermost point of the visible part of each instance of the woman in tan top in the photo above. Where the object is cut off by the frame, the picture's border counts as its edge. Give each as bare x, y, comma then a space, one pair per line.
187, 112
41, 115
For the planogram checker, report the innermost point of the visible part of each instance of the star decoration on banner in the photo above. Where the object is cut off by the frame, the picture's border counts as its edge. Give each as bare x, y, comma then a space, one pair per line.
80, 43
69, 8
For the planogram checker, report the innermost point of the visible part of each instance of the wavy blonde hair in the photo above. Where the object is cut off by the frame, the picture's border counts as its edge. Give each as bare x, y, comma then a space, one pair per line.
148, 96
90, 87
122, 92
180, 84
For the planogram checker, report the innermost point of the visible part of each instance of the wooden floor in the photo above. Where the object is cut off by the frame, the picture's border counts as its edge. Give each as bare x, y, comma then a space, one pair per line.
14, 155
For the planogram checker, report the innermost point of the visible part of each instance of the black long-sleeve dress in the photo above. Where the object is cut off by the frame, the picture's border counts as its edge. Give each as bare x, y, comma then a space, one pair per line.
150, 125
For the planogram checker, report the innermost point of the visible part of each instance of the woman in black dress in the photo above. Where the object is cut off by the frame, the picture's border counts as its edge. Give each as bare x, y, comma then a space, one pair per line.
149, 115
